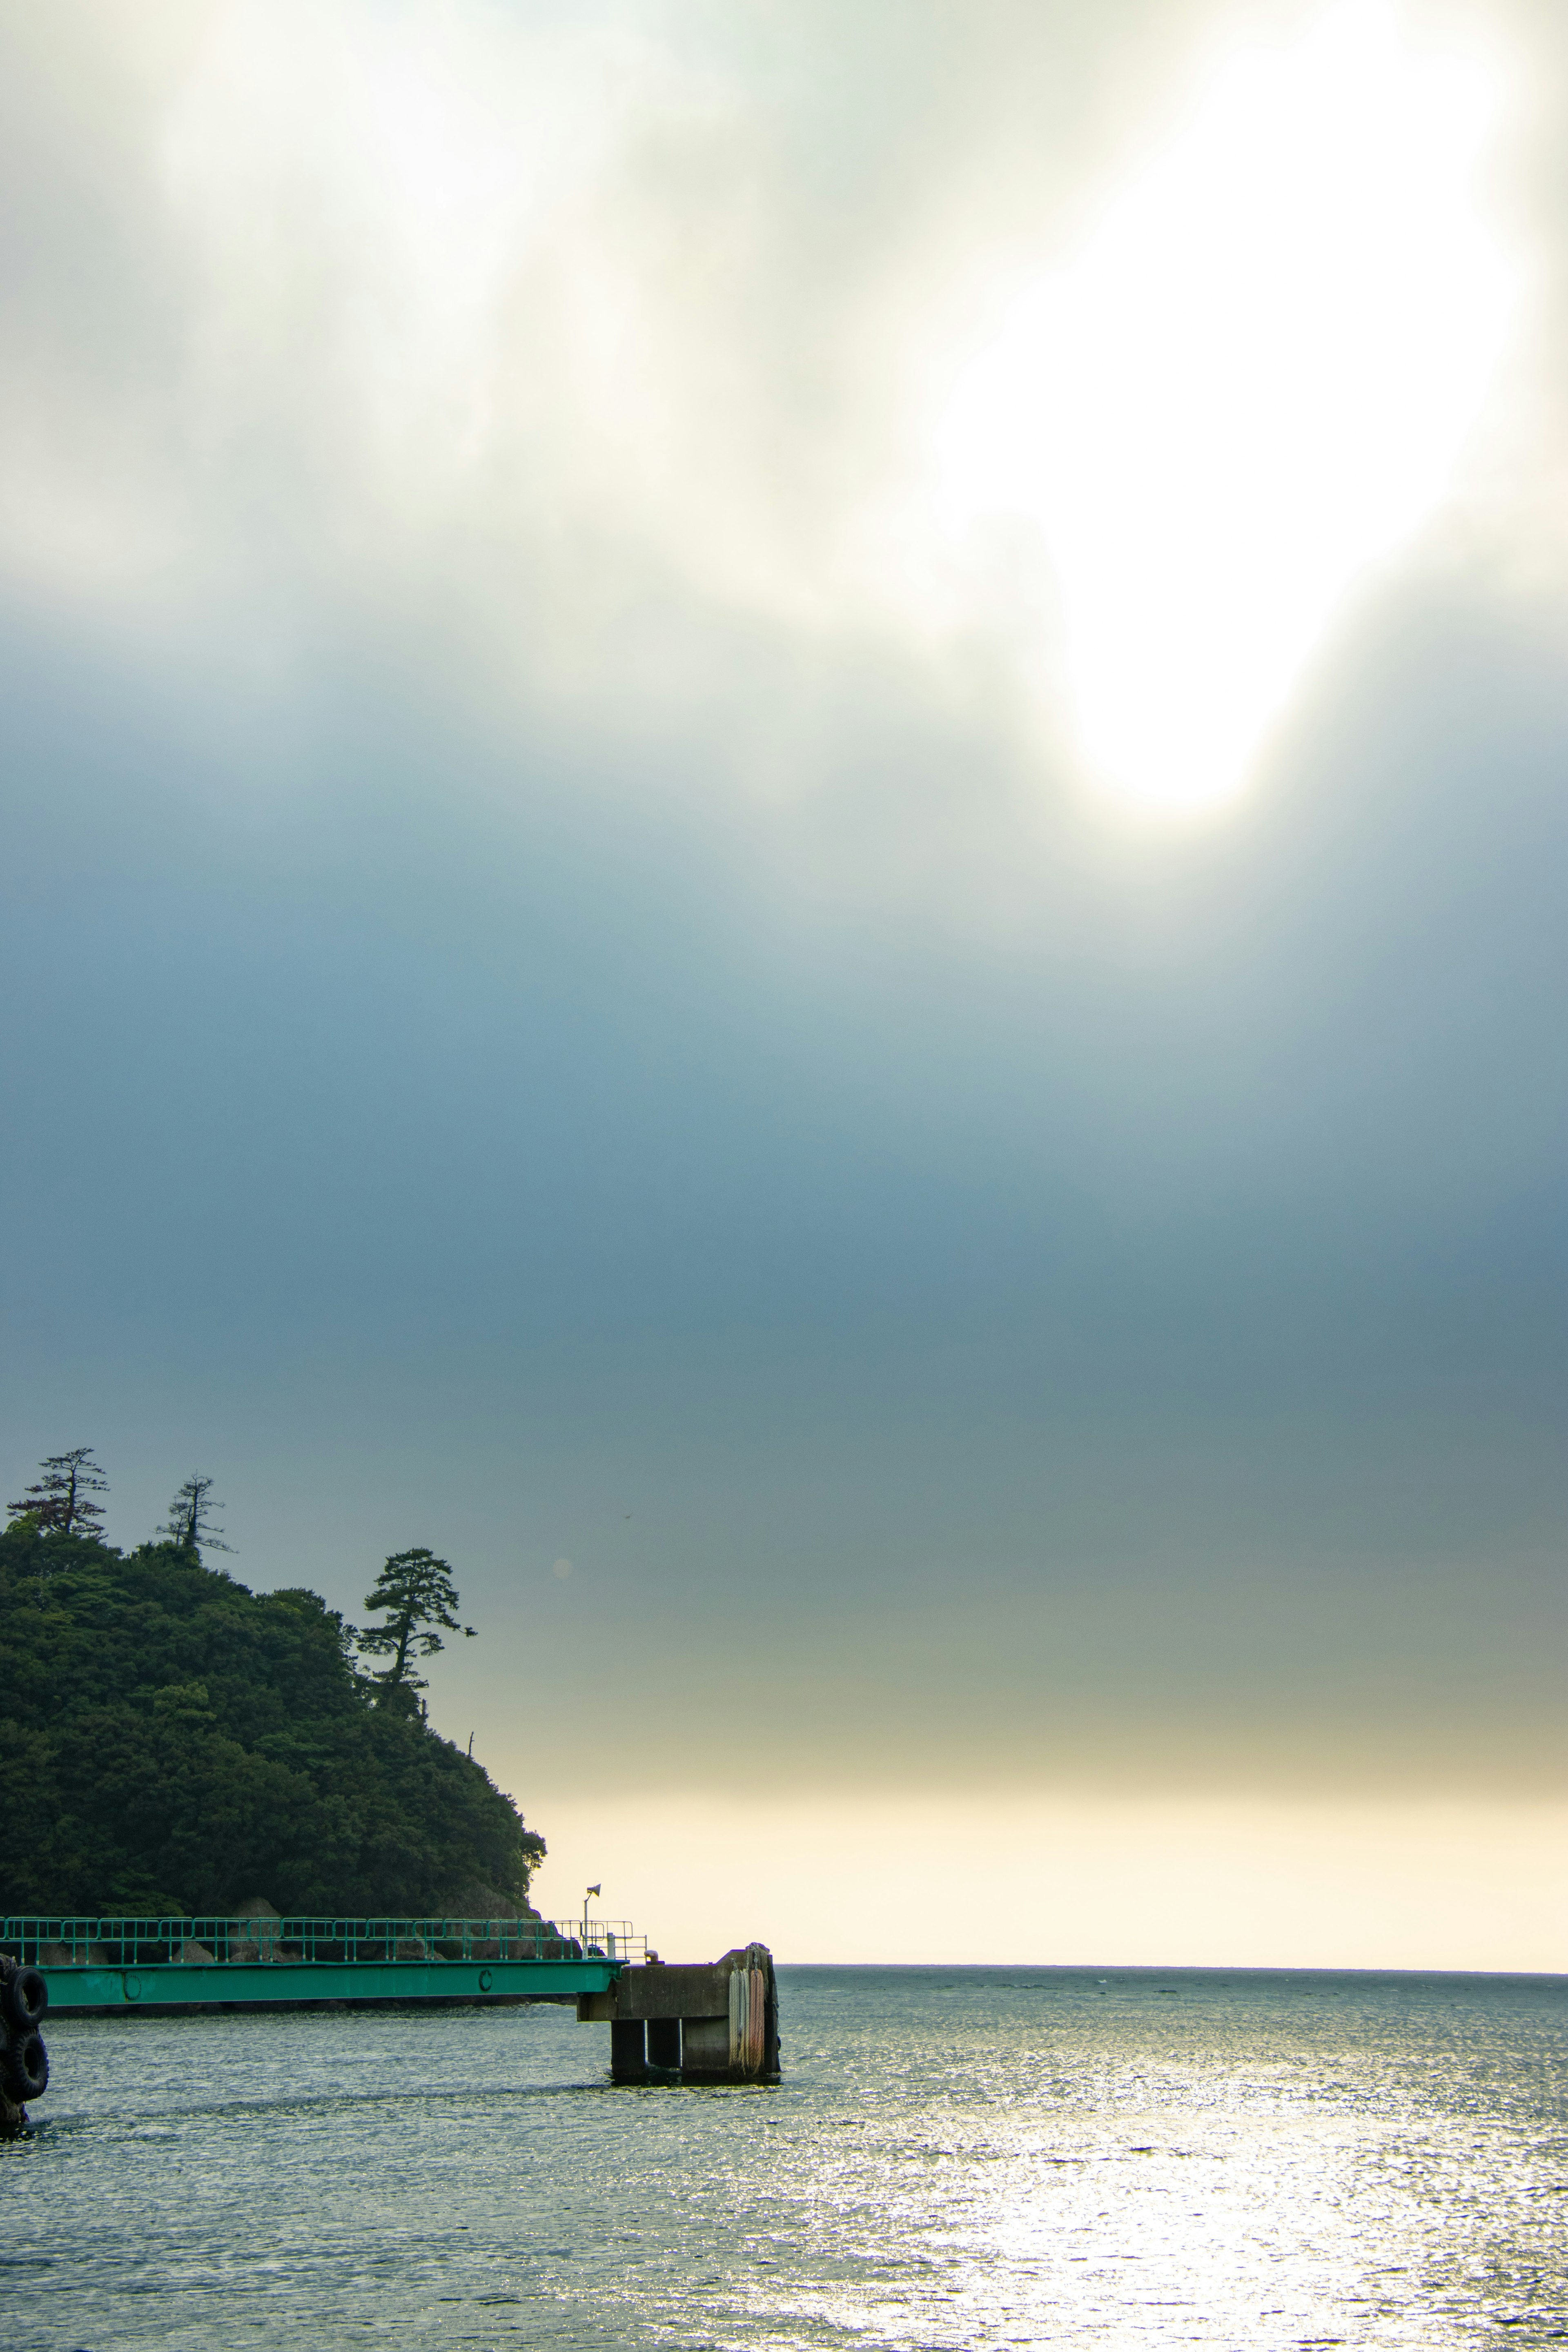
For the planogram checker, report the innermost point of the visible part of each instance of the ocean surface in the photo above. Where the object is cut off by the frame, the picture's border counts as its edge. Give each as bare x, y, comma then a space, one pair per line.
956, 2158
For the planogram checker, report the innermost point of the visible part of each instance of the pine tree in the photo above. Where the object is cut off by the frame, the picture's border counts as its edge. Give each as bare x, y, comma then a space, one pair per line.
416, 1593
60, 1501
190, 1524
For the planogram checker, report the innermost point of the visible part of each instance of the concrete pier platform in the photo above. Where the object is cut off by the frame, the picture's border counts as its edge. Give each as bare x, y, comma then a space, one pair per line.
701, 2022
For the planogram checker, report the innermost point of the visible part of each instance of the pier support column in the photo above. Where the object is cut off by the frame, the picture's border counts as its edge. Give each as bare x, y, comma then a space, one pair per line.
628, 2049
664, 2043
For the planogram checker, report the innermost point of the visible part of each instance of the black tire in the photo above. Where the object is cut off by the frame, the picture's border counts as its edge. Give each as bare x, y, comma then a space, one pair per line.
26, 1998
26, 2064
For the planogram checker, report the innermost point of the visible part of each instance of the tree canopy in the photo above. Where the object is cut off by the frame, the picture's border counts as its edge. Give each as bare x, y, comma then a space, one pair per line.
59, 1501
414, 1592
170, 1741
192, 1523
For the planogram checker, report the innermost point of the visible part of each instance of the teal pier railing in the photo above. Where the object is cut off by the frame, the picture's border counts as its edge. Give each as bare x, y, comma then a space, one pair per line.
123, 1963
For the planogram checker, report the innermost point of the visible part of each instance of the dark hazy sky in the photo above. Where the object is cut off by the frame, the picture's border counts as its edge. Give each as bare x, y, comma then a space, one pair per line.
575, 992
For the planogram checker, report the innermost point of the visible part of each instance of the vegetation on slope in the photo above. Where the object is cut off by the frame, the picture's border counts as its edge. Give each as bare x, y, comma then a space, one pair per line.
170, 1741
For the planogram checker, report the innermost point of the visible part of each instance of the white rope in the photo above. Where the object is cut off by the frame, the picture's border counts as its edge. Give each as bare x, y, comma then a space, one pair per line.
739, 2005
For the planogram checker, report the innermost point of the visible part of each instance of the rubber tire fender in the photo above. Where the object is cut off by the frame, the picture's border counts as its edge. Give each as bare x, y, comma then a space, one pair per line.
26, 1998
27, 2066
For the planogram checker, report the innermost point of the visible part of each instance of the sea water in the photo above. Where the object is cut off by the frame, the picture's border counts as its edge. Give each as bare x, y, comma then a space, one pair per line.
956, 2158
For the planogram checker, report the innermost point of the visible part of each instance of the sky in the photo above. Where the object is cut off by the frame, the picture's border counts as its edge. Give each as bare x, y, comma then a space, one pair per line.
782, 827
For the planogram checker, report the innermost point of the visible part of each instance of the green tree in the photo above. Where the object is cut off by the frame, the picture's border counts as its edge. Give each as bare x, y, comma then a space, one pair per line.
171, 1742
190, 1523
416, 1593
60, 1502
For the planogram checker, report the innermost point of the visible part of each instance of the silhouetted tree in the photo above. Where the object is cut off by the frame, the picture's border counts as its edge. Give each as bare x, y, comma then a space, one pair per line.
190, 1523
60, 1502
416, 1594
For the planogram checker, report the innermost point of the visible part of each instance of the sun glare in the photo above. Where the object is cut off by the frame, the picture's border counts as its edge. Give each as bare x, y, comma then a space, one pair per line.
1253, 383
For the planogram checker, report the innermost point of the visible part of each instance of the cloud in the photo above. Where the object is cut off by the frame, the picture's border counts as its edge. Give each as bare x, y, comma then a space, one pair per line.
564, 974
1251, 385
591, 354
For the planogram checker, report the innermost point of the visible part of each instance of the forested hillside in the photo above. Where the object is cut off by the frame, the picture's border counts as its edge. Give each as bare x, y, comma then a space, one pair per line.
172, 1740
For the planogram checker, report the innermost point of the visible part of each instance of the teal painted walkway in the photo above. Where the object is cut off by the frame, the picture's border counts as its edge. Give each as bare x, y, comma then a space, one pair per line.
186, 1984
126, 1964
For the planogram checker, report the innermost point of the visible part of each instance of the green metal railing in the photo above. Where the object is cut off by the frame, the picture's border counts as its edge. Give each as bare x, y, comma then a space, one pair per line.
213, 1963
125, 1942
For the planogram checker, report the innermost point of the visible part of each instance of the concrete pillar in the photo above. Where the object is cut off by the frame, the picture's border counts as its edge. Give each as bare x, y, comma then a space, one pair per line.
628, 2049
664, 2043
707, 2045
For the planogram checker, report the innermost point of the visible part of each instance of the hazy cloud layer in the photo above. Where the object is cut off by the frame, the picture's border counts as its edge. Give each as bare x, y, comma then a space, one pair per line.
567, 998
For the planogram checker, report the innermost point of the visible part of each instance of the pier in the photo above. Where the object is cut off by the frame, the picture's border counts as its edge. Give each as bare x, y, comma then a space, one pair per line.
704, 2021
268, 1962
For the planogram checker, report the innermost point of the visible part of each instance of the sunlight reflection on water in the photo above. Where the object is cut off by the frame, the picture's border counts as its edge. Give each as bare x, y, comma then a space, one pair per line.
956, 2158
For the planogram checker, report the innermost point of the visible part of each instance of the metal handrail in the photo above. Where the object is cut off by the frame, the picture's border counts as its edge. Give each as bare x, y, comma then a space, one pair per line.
79, 1941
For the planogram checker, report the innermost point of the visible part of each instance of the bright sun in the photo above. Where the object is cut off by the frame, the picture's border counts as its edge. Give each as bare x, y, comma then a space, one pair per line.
1253, 382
